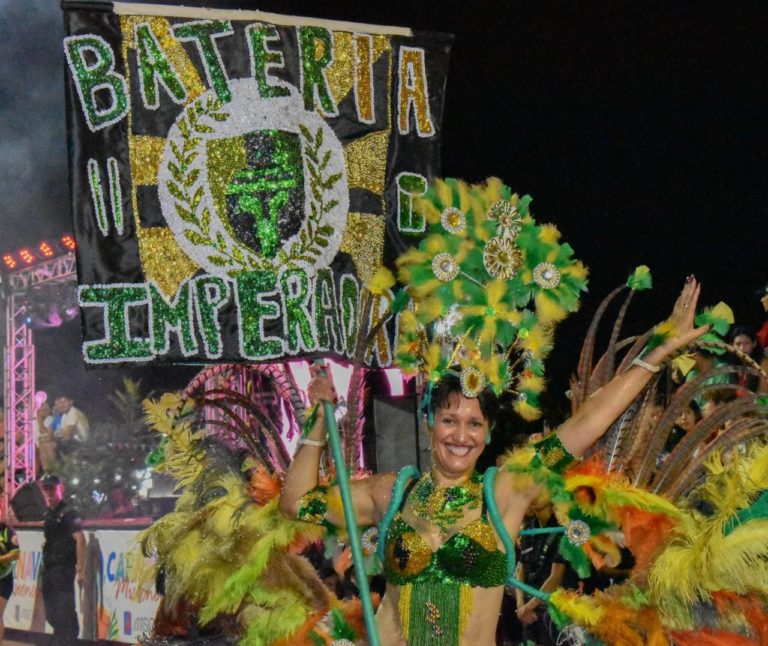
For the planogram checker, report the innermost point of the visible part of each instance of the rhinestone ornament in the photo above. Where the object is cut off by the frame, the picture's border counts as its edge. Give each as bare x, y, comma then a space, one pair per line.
453, 220
577, 532
445, 267
472, 382
502, 259
546, 275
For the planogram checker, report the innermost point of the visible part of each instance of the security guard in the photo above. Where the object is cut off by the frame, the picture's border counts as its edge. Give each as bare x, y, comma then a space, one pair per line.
63, 557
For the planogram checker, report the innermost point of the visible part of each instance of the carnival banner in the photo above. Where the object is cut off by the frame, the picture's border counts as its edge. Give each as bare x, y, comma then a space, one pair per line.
238, 177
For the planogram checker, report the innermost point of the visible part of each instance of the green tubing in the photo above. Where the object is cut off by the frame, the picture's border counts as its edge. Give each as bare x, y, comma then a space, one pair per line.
489, 480
404, 475
542, 530
351, 522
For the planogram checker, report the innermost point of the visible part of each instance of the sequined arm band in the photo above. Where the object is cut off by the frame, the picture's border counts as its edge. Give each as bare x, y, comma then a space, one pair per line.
553, 454
313, 506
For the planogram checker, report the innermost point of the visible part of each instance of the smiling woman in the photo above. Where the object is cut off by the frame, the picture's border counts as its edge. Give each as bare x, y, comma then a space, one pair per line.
446, 538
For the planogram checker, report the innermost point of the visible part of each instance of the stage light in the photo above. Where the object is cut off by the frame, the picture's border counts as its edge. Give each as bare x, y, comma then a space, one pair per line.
26, 255
68, 242
10, 262
45, 249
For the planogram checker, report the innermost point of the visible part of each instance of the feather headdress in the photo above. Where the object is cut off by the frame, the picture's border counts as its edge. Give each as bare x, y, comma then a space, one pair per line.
488, 285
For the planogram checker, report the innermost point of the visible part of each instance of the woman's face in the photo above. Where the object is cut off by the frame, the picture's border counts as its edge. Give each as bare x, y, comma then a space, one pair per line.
458, 437
687, 420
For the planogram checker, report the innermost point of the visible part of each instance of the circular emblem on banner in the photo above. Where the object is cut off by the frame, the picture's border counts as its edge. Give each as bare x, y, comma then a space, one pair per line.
253, 183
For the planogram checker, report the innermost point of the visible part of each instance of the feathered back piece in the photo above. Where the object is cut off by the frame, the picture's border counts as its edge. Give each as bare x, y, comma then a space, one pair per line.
488, 285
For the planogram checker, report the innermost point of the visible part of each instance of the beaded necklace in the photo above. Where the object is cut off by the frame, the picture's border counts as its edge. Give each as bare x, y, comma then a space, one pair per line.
444, 506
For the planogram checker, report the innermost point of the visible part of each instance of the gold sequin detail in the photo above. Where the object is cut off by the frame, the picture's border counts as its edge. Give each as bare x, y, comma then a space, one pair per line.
416, 90
482, 533
162, 259
318, 496
146, 152
404, 606
340, 73
552, 456
466, 600
226, 156
363, 239
366, 160
419, 554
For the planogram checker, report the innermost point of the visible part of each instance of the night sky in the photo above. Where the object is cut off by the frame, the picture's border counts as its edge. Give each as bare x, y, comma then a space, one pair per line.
640, 129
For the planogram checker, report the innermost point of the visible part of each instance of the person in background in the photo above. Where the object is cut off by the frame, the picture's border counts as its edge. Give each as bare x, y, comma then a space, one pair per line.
46, 444
63, 561
744, 339
9, 552
541, 566
74, 428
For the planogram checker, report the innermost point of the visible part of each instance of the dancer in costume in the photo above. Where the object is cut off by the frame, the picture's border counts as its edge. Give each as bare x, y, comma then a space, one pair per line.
443, 535
488, 284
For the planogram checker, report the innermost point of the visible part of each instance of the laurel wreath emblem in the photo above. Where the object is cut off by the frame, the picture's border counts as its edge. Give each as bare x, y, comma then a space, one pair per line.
185, 185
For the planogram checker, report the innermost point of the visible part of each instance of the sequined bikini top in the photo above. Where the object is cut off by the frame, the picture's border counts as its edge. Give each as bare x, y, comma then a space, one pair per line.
469, 556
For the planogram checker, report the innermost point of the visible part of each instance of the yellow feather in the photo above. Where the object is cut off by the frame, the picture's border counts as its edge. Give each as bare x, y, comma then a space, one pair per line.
493, 188
576, 269
526, 411
381, 281
549, 234
444, 193
464, 196
581, 609
548, 310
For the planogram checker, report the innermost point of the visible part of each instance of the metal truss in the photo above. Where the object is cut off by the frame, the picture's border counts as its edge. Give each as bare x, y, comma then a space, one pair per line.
20, 371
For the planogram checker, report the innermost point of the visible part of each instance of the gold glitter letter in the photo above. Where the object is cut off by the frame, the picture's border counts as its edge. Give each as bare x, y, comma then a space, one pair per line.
363, 44
412, 90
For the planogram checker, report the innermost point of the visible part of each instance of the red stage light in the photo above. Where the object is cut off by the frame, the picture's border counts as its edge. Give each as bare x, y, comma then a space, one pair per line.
69, 242
46, 249
26, 255
9, 260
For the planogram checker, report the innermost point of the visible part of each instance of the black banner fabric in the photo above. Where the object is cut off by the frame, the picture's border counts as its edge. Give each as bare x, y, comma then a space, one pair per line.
236, 183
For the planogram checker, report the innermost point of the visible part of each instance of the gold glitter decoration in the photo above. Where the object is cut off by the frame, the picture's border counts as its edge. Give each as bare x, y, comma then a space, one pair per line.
453, 220
445, 267
502, 259
314, 499
482, 533
546, 275
418, 554
162, 259
340, 73
174, 50
363, 239
226, 156
366, 160
466, 599
404, 607
472, 382
146, 152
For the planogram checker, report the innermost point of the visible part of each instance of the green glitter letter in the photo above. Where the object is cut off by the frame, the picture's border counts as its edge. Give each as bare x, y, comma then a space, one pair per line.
350, 303
253, 310
92, 63
203, 33
263, 59
297, 320
313, 81
153, 67
117, 345
410, 185
174, 316
211, 294
326, 312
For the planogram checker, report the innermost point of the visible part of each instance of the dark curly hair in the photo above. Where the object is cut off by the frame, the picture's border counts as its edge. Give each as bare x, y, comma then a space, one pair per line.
449, 387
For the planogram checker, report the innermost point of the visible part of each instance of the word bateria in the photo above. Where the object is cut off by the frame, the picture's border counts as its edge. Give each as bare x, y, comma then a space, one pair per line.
105, 98
277, 313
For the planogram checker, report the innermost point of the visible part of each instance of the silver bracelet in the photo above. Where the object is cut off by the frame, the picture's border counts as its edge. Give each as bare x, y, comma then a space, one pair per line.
637, 361
308, 442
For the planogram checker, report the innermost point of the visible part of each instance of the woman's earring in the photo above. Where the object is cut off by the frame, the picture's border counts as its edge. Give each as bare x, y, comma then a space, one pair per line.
488, 437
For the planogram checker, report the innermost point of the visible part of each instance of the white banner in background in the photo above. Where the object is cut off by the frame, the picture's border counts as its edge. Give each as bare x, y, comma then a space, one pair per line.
124, 616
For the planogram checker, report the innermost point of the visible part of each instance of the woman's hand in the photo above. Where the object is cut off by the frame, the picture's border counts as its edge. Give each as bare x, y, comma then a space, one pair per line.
680, 325
320, 387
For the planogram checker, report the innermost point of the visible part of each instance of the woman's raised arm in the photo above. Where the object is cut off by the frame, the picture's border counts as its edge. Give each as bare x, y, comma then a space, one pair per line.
597, 414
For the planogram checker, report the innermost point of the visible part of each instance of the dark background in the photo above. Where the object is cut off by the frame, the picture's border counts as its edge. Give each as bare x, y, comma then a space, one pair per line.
639, 128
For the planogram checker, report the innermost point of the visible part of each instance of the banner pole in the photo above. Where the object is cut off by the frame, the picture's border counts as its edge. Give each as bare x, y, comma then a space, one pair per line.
342, 479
